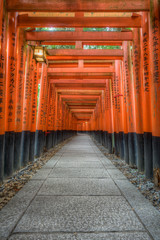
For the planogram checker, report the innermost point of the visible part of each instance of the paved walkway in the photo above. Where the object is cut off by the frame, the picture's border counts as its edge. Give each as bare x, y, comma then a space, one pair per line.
79, 195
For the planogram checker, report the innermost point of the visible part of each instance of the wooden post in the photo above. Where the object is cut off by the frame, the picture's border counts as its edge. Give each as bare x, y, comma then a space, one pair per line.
146, 77
138, 89
155, 84
3, 21
119, 108
49, 138
27, 107
124, 89
39, 142
10, 93
54, 116
33, 116
21, 59
130, 104
115, 109
111, 127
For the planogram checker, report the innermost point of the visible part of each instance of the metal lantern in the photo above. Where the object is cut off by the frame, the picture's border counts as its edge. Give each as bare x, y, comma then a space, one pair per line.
39, 54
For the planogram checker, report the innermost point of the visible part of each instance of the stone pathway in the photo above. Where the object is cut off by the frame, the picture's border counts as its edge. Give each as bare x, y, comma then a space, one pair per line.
79, 195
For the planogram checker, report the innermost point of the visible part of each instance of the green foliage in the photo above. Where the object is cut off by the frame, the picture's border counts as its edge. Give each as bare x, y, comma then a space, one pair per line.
100, 47
59, 46
107, 29
53, 29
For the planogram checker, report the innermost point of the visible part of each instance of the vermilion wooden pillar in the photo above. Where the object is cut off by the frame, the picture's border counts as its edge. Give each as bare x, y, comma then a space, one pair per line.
10, 93
1, 20
54, 112
27, 107
39, 142
130, 103
138, 89
111, 127
100, 120
107, 109
45, 108
33, 115
146, 77
21, 59
2, 85
64, 121
121, 112
50, 123
155, 84
125, 123
119, 108
103, 119
115, 108
56, 117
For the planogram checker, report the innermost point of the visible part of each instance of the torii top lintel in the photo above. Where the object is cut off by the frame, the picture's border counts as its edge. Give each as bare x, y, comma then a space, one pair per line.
78, 5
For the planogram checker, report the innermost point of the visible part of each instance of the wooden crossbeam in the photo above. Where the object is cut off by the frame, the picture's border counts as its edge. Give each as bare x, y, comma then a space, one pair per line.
81, 70
85, 52
74, 76
80, 96
88, 110
92, 86
74, 65
82, 101
85, 57
98, 22
99, 43
78, 5
81, 106
79, 36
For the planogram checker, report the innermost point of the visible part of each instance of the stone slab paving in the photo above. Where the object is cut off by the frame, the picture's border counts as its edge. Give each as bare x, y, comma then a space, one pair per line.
79, 173
79, 195
80, 187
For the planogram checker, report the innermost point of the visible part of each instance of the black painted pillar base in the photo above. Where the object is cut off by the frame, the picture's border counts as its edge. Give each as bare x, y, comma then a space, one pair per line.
2, 144
104, 138
9, 154
56, 137
25, 148
126, 150
132, 149
156, 151
49, 141
17, 150
101, 137
39, 142
32, 147
140, 152
148, 157
53, 138
121, 144
116, 137
110, 145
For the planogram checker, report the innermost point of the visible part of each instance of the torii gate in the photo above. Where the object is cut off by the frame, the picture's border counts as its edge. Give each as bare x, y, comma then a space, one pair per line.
112, 94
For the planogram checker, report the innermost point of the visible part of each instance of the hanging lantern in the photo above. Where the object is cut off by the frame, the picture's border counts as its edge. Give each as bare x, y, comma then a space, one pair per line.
39, 54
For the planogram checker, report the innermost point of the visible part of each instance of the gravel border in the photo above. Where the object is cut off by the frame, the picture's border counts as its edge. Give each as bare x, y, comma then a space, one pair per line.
13, 184
145, 186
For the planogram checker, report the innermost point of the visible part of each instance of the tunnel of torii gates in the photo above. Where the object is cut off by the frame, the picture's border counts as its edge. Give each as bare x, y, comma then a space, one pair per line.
111, 94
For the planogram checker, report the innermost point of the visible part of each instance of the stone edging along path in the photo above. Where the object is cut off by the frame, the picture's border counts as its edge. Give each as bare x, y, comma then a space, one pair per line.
145, 186
13, 184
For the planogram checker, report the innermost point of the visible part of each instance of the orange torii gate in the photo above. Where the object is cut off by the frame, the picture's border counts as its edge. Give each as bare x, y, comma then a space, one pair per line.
98, 91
